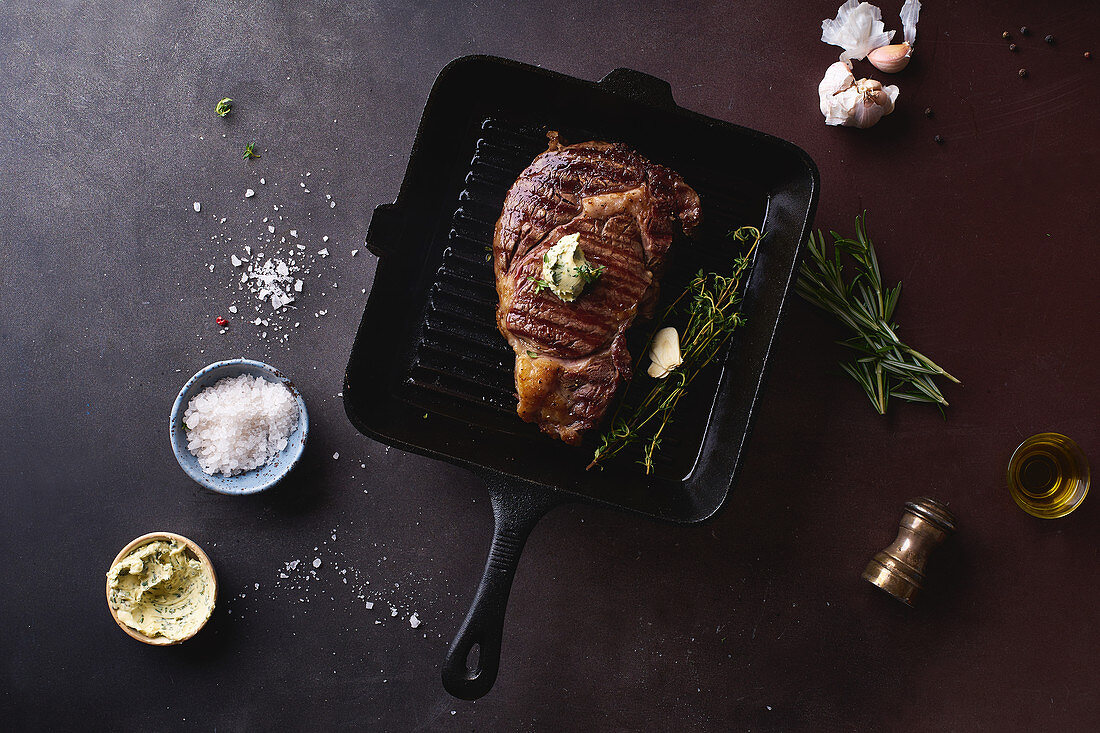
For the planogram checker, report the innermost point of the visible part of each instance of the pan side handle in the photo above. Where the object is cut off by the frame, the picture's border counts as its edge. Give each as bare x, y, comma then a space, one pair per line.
384, 229
516, 511
640, 87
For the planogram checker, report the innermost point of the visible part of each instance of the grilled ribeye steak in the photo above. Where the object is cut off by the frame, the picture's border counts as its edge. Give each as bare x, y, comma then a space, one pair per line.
571, 356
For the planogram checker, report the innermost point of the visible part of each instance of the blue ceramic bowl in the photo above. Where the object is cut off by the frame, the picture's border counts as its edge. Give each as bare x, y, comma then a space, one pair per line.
257, 479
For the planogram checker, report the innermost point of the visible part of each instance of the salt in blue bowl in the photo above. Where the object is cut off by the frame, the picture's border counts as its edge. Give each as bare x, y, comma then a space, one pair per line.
249, 482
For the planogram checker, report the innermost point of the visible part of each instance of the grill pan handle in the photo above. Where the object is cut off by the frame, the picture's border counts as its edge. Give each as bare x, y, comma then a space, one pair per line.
516, 510
384, 230
640, 87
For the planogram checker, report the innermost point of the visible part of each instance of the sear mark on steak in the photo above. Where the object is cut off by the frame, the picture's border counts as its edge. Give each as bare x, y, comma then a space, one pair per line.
571, 357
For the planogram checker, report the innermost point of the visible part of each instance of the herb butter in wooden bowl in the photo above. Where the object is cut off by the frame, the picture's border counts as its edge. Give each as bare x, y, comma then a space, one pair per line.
161, 588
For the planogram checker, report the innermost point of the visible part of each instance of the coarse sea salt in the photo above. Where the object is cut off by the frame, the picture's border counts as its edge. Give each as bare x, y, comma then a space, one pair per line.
239, 423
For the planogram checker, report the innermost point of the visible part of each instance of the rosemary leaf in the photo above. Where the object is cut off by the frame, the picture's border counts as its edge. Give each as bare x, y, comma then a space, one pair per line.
885, 367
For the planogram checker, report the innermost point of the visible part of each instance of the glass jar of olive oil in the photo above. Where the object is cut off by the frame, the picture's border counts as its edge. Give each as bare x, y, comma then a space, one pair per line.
1048, 475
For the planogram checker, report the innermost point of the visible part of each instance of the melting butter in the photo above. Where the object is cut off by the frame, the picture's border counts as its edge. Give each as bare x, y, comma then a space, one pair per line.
565, 270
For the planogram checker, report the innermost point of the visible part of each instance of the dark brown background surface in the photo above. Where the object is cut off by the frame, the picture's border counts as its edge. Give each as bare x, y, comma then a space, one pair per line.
757, 621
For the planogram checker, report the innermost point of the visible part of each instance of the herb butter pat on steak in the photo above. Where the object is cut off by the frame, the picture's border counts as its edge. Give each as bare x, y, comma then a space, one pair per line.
617, 213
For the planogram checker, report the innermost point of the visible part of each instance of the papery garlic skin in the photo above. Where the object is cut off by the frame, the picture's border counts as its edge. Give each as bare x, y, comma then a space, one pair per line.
664, 353
845, 101
910, 12
857, 28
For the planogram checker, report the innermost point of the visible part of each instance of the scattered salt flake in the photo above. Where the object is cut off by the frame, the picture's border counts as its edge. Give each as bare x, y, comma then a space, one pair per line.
197, 205
235, 260
247, 250
297, 286
263, 182
323, 252
335, 456
278, 300
332, 204
232, 309
393, 611
292, 565
270, 229
294, 233
324, 238
308, 174
316, 562
354, 252
305, 190
370, 605
302, 184
414, 621
281, 268
249, 193
257, 586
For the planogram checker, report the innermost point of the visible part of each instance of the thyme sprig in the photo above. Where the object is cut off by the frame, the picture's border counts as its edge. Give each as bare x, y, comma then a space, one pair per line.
250, 151
885, 367
709, 308
588, 273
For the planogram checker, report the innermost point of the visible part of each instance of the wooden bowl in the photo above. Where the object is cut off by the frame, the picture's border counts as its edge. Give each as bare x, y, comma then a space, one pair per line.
203, 560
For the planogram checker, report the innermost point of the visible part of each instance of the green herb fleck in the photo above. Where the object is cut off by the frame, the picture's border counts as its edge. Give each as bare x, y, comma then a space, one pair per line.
590, 274
540, 284
532, 354
250, 151
224, 107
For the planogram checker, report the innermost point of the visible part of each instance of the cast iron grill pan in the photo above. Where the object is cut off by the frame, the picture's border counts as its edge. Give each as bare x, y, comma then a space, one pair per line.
429, 372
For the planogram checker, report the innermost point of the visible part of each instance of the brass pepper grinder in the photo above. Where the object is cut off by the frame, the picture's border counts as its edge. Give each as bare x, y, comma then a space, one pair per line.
899, 569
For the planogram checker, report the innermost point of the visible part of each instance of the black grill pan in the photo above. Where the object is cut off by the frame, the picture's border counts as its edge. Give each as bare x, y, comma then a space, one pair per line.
429, 373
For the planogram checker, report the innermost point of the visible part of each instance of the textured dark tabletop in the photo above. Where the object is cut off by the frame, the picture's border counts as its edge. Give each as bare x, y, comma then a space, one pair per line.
110, 283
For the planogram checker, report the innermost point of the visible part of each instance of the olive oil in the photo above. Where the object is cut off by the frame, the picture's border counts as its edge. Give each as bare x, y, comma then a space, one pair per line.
1048, 476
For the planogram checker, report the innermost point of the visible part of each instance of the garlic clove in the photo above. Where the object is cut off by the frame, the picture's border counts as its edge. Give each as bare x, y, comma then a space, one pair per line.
891, 59
664, 353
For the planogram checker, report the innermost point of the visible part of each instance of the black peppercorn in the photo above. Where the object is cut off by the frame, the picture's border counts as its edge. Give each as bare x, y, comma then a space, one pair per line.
928, 112
1006, 35
938, 139
1023, 73
1049, 39
1025, 31
1012, 47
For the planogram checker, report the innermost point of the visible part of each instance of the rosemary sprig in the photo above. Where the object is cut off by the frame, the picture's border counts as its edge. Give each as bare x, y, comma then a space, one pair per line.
884, 366
250, 151
709, 306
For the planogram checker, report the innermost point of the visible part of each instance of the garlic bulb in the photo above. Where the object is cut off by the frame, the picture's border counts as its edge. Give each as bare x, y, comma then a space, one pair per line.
664, 353
857, 28
845, 101
893, 59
